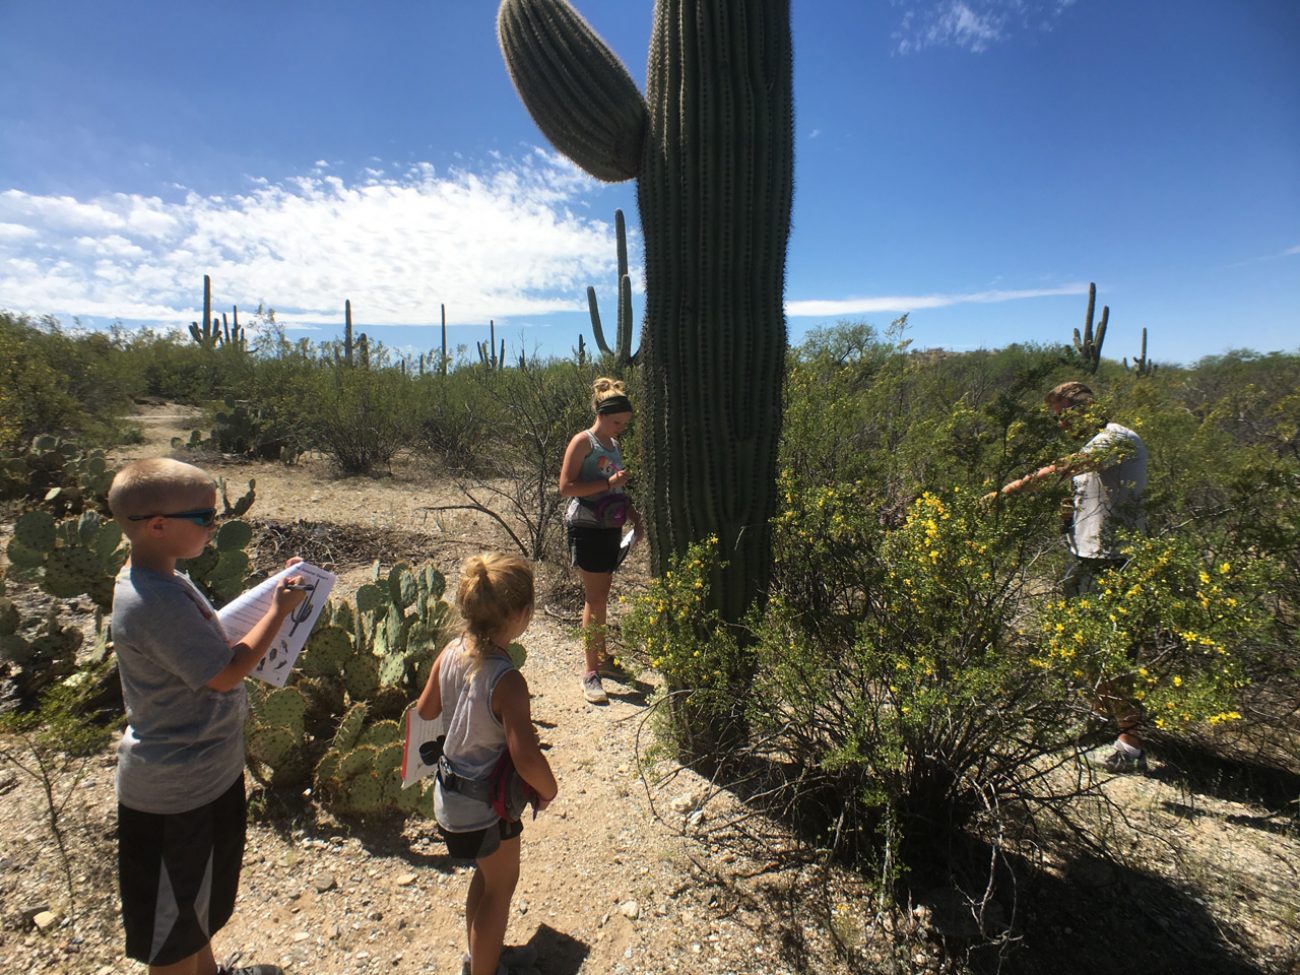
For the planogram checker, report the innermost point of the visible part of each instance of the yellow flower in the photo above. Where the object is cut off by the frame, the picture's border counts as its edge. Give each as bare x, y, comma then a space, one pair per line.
1225, 568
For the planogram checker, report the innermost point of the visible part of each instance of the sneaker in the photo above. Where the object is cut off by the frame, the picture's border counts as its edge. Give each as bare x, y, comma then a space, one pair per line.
1121, 762
229, 968
592, 689
610, 668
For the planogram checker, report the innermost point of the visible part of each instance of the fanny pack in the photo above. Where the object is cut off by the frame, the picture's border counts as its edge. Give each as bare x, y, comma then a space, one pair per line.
504, 789
611, 510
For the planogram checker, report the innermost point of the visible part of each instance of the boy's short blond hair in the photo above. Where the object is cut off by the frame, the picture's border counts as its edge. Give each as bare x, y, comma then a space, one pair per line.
153, 487
1069, 395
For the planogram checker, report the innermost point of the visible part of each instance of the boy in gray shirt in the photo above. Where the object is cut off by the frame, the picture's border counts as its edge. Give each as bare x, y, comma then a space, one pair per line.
180, 774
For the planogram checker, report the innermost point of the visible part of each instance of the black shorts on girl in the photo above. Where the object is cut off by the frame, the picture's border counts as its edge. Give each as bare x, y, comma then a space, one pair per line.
594, 549
178, 875
480, 843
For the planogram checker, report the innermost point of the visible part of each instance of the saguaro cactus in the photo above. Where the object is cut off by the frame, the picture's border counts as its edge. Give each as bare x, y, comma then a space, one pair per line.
711, 148
442, 366
623, 337
1144, 366
1088, 345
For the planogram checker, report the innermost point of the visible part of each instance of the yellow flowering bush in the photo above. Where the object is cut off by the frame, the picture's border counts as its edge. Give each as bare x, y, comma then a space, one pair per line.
1168, 629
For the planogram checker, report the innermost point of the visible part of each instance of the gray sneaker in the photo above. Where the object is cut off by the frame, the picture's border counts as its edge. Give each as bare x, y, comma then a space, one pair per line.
1120, 762
229, 968
592, 689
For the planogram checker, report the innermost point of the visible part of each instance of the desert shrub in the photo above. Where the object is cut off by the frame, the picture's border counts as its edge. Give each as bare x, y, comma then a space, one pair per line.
531, 412
456, 415
36, 398
359, 417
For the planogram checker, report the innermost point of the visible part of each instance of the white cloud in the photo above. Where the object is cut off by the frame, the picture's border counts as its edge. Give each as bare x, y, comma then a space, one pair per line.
16, 231
507, 242
831, 307
1291, 251
973, 25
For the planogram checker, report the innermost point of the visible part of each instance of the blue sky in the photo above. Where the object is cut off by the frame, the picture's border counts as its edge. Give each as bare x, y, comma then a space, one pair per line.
972, 162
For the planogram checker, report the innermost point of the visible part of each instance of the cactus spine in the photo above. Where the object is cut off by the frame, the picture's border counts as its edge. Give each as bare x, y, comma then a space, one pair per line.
711, 148
623, 337
1088, 345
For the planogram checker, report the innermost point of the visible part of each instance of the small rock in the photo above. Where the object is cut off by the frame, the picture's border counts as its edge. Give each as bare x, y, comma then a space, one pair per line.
301, 936
522, 906
630, 910
45, 921
695, 818
326, 882
406, 879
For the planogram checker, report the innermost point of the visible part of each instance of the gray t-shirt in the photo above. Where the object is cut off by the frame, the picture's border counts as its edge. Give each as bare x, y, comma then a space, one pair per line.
1111, 497
184, 743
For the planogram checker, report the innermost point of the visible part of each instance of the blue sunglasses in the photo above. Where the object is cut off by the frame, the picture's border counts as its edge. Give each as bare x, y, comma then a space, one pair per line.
203, 517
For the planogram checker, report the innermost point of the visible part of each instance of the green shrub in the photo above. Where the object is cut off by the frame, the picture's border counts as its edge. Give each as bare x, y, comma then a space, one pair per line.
359, 417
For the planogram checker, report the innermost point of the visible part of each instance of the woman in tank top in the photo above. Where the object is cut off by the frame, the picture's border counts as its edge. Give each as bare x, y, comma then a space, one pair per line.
594, 477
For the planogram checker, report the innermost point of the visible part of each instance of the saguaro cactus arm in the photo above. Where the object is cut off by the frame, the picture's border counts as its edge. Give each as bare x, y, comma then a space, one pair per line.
574, 87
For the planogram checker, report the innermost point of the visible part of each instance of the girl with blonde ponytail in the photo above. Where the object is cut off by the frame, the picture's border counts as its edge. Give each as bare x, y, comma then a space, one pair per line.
488, 714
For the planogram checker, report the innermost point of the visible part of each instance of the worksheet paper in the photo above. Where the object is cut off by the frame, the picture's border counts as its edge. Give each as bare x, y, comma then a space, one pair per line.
418, 731
243, 612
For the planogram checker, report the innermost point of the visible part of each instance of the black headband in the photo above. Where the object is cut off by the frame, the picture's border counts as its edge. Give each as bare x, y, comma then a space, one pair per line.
617, 403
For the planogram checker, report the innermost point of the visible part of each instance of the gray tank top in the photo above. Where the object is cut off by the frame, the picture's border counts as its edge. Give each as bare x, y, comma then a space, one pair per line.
475, 736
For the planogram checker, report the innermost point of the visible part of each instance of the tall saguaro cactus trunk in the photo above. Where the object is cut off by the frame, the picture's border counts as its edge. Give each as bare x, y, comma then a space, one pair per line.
711, 148
715, 186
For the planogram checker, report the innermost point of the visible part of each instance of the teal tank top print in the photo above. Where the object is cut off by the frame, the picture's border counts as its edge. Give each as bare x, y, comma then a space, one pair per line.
600, 463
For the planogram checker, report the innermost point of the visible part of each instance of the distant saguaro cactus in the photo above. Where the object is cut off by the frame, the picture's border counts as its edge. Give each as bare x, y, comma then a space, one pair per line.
213, 332
623, 336
1144, 366
1088, 345
712, 151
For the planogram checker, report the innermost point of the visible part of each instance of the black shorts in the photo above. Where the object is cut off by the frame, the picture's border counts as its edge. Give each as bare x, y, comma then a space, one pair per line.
594, 549
481, 843
178, 874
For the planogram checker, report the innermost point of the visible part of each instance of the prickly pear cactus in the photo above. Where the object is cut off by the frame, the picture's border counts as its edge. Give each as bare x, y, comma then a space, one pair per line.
711, 149
58, 475
221, 570
68, 558
335, 723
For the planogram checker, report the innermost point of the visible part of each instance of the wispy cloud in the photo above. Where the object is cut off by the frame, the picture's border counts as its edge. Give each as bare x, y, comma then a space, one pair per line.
825, 308
973, 25
513, 240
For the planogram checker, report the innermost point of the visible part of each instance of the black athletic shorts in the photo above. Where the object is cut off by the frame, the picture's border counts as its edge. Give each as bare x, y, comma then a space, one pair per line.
481, 843
594, 549
178, 874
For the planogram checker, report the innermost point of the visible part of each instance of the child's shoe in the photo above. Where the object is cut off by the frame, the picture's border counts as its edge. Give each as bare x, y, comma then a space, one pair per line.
229, 968
592, 689
1121, 761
